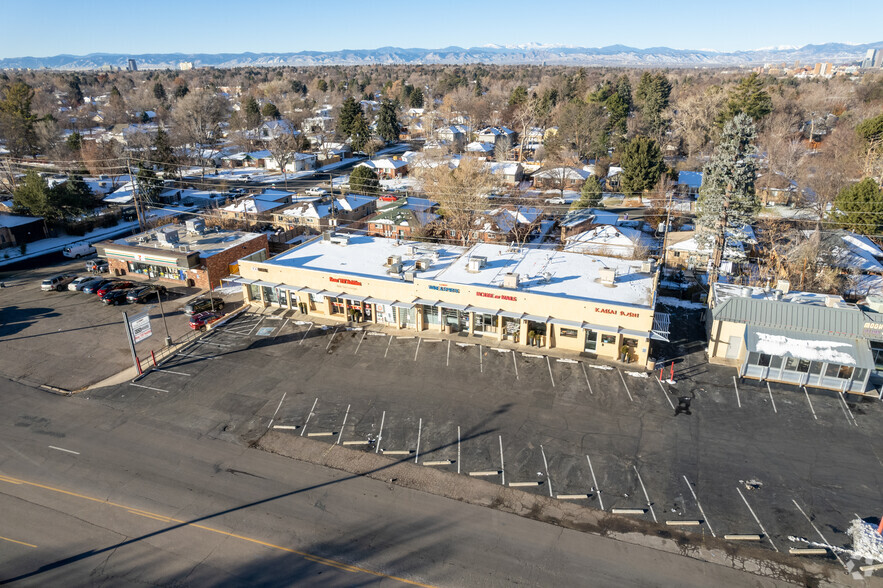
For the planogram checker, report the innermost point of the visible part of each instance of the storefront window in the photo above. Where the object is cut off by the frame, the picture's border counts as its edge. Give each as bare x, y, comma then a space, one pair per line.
568, 332
877, 352
155, 271
609, 339
408, 317
451, 317
338, 306
775, 362
271, 295
538, 328
859, 374
386, 314
254, 292
794, 364
484, 322
835, 370
430, 315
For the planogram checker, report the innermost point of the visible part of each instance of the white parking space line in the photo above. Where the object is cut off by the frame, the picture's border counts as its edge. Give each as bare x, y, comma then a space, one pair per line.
147, 387
738, 400
331, 340
480, 362
364, 334
307, 332
309, 416
850, 418
502, 463
627, 391
458, 449
204, 342
194, 355
387, 346
647, 498
63, 449
707, 524
419, 432
595, 488
279, 330
810, 403
664, 393
255, 326
551, 377
819, 533
515, 363
757, 520
416, 351
342, 427
770, 390
582, 365
546, 466
448, 360
380, 434
273, 418
165, 371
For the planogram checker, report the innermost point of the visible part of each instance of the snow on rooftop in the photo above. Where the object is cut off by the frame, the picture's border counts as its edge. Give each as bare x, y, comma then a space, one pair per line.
805, 349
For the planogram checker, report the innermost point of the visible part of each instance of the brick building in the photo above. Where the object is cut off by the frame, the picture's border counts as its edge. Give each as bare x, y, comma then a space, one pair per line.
182, 255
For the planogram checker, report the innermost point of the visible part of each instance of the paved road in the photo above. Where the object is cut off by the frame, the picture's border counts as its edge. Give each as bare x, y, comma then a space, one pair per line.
141, 502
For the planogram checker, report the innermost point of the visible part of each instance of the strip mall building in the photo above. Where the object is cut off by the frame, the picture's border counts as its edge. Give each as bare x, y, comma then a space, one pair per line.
553, 299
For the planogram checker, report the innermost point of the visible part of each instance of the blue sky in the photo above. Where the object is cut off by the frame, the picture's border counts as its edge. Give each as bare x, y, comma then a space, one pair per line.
51, 27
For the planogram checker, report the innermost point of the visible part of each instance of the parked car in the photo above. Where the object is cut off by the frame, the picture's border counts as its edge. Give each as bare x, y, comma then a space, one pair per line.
202, 304
88, 283
92, 287
199, 320
97, 266
145, 293
78, 282
58, 282
115, 297
114, 285
78, 250
316, 191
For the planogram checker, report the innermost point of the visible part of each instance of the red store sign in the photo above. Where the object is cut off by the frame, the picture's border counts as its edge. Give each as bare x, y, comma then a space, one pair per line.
346, 281
496, 296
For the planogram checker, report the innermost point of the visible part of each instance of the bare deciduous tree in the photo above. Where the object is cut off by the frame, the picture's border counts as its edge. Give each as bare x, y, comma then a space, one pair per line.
198, 117
460, 193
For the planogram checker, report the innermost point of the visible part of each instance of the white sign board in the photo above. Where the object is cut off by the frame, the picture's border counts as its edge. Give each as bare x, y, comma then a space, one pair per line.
140, 325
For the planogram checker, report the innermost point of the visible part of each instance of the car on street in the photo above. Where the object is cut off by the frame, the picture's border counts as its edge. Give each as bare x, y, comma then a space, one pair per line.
202, 304
114, 285
316, 191
97, 266
92, 287
89, 283
78, 250
199, 320
145, 293
58, 282
556, 200
115, 297
78, 282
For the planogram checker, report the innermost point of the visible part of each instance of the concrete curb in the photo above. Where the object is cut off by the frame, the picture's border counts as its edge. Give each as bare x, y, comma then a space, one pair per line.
402, 472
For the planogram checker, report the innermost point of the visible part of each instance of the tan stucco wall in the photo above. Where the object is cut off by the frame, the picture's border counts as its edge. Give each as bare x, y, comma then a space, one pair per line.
719, 342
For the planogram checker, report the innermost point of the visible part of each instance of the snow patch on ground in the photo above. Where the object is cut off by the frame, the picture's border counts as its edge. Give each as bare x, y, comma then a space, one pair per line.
673, 302
225, 290
637, 374
866, 543
600, 367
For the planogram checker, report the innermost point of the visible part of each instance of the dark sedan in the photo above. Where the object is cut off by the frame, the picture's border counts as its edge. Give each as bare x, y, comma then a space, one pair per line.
117, 296
144, 294
95, 286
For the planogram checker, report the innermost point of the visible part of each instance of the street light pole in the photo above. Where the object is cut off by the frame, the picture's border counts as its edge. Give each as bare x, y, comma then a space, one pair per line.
163, 315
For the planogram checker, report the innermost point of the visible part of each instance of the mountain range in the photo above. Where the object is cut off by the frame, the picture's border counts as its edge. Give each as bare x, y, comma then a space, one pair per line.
530, 53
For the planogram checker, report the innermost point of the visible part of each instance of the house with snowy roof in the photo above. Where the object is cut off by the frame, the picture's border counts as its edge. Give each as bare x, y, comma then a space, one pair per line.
401, 220
479, 149
498, 136
249, 206
610, 241
560, 177
685, 251
387, 167
324, 213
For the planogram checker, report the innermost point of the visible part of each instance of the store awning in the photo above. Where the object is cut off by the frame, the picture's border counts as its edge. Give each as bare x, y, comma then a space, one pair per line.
810, 347
564, 323
398, 304
633, 333
370, 300
309, 291
330, 294
426, 302
534, 318
354, 297
237, 280
265, 284
479, 310
289, 288
661, 326
452, 306
510, 314
600, 328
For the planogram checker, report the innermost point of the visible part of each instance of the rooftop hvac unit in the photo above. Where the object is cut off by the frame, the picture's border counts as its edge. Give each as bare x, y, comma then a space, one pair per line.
784, 286
409, 276
423, 264
342, 240
184, 248
832, 301
475, 264
169, 237
547, 277
393, 260
777, 294
510, 280
745, 291
412, 250
326, 235
607, 276
395, 268
195, 226
647, 266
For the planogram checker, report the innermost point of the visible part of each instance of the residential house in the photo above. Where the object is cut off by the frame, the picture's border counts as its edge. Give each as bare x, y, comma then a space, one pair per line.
774, 188
507, 172
560, 178
485, 150
611, 182
387, 167
684, 251
249, 207
610, 241
498, 136
453, 135
17, 230
401, 220
325, 213
507, 224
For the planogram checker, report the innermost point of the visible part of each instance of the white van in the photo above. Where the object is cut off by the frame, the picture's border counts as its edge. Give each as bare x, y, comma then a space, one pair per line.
78, 250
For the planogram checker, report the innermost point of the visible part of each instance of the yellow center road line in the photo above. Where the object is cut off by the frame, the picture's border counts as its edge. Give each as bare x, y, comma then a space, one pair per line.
144, 513
20, 542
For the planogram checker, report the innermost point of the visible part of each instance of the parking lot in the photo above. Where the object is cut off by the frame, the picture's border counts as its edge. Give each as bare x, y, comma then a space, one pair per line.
70, 340
748, 459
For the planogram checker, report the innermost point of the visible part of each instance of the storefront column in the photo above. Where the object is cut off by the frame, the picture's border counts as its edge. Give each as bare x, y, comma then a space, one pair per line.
397, 312
420, 320
441, 320
327, 306
471, 323
523, 333
246, 295
550, 334
499, 328
374, 313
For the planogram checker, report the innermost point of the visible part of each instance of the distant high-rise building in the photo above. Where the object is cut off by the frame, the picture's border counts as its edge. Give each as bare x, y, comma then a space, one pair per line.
132, 65
878, 58
872, 58
817, 70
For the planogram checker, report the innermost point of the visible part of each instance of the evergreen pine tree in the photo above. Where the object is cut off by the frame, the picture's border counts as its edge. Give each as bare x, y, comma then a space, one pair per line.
349, 110
652, 98
747, 97
17, 122
159, 92
859, 207
727, 201
388, 126
415, 100
252, 113
363, 180
162, 151
360, 132
590, 195
642, 165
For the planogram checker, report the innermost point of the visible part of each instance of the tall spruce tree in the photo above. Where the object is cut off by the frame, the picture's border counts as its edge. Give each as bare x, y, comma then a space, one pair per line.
859, 207
349, 110
388, 126
17, 122
652, 98
642, 165
252, 113
727, 200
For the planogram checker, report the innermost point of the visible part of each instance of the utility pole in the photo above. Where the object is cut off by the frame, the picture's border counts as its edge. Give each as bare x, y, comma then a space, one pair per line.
163, 315
667, 229
138, 212
130, 340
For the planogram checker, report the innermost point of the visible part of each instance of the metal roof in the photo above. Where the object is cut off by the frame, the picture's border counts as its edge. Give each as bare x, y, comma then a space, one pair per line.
806, 318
